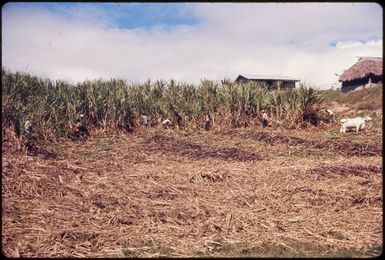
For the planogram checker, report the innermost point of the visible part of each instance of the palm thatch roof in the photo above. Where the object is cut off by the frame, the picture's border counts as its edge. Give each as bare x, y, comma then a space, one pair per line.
363, 68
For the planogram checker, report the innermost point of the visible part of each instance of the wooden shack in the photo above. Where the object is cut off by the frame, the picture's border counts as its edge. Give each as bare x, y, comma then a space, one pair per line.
365, 73
271, 82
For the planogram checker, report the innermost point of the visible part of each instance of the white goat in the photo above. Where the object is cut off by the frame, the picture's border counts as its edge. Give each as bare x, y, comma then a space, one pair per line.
359, 123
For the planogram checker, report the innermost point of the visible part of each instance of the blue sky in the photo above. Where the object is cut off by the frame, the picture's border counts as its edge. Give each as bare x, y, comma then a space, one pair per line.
189, 41
122, 15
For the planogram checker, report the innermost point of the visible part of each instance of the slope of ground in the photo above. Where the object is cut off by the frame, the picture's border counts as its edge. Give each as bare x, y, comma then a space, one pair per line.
367, 101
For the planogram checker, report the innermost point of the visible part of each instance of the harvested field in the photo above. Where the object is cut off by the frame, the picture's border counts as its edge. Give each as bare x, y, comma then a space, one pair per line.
197, 151
347, 170
341, 147
203, 194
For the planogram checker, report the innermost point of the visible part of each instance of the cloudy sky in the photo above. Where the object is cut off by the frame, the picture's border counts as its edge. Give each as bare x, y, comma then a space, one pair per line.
189, 41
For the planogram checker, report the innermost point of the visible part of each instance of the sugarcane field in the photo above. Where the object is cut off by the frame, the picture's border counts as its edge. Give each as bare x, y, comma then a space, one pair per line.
192, 129
93, 170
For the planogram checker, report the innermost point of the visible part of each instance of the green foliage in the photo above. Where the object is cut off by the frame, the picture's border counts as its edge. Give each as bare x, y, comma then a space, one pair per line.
54, 106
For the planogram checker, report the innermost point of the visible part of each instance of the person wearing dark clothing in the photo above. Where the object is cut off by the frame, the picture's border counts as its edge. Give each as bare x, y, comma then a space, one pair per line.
207, 124
80, 129
177, 119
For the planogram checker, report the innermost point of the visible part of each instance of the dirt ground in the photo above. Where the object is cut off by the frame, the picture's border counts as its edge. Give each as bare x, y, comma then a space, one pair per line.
244, 192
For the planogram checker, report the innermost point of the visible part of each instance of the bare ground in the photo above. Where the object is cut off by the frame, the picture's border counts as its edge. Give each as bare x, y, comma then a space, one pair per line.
164, 193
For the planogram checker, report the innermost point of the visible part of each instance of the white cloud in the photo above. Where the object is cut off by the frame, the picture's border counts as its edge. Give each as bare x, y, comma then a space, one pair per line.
358, 44
287, 39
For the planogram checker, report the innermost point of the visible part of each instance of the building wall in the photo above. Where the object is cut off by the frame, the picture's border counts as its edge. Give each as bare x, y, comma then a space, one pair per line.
274, 84
360, 83
289, 84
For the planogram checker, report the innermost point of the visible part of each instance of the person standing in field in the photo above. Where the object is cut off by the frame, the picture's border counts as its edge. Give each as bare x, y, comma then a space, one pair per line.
330, 115
177, 119
207, 124
80, 130
265, 119
144, 121
28, 135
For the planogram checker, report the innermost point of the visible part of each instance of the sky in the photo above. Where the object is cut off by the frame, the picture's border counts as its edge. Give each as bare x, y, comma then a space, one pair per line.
189, 42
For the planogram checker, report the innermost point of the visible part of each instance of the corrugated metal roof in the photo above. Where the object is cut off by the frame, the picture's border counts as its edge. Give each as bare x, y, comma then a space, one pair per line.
268, 77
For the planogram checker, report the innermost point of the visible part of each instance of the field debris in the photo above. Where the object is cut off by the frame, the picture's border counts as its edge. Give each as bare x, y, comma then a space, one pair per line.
197, 151
357, 170
101, 198
208, 176
340, 147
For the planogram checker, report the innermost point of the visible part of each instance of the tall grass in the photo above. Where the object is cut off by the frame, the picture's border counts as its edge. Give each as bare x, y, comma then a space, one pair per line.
116, 105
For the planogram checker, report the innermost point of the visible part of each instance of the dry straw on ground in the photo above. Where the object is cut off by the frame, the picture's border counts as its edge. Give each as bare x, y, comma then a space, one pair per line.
153, 195
337, 146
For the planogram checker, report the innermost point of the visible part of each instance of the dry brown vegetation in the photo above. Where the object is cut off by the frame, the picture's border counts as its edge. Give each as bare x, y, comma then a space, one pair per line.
245, 192
337, 146
363, 100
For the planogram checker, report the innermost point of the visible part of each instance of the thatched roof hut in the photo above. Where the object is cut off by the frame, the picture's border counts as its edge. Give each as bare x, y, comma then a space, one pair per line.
365, 73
